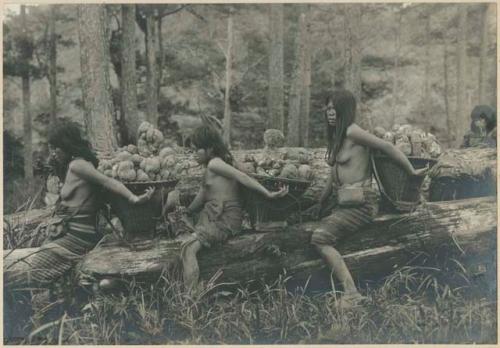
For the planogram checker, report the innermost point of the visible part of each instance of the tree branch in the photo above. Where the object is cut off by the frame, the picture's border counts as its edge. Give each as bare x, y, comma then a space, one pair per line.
180, 8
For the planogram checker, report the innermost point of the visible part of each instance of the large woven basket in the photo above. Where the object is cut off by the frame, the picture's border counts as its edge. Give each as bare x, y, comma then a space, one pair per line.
139, 220
400, 191
261, 209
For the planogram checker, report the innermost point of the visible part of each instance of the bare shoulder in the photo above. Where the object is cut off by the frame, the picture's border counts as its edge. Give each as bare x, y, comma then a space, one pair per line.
216, 163
354, 131
78, 165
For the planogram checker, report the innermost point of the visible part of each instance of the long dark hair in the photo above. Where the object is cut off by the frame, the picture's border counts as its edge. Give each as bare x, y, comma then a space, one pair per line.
206, 137
485, 112
344, 103
67, 136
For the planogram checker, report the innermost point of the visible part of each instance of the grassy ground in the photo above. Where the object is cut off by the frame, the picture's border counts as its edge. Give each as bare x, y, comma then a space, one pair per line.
411, 306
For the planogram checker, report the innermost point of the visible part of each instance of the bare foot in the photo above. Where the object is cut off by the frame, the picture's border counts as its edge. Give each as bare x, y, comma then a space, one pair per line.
352, 300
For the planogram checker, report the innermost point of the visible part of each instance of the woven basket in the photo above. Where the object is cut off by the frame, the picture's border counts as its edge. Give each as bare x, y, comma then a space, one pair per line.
261, 209
139, 220
401, 191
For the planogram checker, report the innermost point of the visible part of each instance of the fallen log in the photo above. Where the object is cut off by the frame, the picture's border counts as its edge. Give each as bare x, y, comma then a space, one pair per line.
464, 173
468, 226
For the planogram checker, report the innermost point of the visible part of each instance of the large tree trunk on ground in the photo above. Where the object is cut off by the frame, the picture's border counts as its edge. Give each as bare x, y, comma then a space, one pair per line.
461, 114
276, 68
464, 173
26, 55
129, 81
474, 165
94, 55
390, 242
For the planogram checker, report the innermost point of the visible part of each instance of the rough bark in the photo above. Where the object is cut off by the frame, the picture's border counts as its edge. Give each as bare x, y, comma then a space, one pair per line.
94, 55
152, 70
483, 51
276, 68
294, 99
352, 54
462, 114
52, 64
129, 80
229, 73
427, 69
397, 52
390, 242
26, 56
305, 97
450, 119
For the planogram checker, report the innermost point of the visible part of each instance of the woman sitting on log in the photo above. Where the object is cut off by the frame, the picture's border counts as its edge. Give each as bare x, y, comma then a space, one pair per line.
348, 154
218, 198
483, 131
73, 232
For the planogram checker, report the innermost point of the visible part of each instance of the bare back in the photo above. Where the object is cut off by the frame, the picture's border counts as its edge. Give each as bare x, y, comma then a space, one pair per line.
220, 188
76, 191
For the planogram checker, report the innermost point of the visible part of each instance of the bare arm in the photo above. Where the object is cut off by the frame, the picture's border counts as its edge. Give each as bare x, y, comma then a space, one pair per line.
221, 168
327, 191
86, 171
362, 137
197, 202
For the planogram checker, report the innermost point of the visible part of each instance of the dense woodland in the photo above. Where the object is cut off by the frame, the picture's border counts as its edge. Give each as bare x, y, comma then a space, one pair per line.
254, 66
430, 274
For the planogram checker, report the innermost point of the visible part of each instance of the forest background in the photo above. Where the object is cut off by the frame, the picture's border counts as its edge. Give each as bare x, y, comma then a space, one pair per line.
253, 66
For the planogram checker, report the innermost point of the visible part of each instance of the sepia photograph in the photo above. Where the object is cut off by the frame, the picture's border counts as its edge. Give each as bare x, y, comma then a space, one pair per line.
249, 173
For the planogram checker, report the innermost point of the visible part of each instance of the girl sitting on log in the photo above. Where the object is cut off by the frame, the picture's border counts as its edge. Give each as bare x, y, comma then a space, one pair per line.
74, 234
348, 154
218, 198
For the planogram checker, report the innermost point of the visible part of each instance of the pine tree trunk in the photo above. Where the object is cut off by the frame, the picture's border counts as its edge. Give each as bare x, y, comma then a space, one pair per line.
483, 55
450, 120
395, 80
305, 97
276, 68
152, 70
229, 68
53, 64
352, 54
94, 56
161, 57
26, 55
461, 114
294, 102
129, 80
427, 75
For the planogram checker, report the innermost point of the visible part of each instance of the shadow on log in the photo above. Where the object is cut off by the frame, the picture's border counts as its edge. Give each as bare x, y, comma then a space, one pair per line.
390, 242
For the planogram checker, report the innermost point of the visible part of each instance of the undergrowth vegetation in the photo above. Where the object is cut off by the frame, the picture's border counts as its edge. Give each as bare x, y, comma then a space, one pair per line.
413, 305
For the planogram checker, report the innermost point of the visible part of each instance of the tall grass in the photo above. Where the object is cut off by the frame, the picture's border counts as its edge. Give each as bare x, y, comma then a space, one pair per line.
412, 305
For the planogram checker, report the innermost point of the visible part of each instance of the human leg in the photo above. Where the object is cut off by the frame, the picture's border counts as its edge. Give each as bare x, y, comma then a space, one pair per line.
338, 267
191, 271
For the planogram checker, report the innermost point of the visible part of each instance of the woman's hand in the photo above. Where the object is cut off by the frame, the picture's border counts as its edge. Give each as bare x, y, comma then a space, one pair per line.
421, 171
283, 191
146, 196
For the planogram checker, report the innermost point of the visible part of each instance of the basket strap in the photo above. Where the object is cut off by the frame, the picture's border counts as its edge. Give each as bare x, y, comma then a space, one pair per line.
379, 182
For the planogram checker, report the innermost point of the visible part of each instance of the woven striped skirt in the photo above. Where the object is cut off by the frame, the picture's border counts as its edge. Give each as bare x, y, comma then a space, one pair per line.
56, 257
345, 221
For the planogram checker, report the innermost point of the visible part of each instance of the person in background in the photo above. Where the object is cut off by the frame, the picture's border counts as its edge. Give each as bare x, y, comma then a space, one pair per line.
218, 198
348, 153
483, 128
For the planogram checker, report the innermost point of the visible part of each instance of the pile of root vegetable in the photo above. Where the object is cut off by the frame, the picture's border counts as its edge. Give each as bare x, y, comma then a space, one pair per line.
411, 140
276, 161
151, 160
